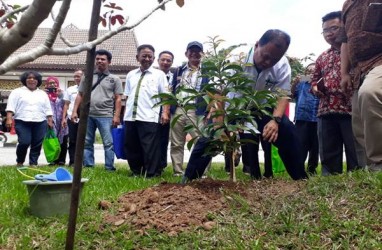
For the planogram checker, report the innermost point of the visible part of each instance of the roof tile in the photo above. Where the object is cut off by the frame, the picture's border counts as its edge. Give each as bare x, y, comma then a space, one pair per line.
123, 46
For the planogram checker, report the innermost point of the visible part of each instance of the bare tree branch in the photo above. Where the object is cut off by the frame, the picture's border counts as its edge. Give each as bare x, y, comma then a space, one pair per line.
4, 5
146, 16
23, 31
46, 48
62, 37
8, 14
58, 23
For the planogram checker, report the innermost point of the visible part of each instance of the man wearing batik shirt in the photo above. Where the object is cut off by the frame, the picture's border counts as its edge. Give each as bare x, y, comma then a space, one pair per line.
361, 54
334, 111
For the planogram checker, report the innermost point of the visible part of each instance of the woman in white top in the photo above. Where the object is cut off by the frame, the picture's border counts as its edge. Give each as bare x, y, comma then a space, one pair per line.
30, 108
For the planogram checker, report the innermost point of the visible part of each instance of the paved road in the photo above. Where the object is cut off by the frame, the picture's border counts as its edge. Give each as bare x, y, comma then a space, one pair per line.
8, 154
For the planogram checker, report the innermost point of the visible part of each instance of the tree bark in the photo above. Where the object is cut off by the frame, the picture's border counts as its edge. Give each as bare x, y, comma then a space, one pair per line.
78, 159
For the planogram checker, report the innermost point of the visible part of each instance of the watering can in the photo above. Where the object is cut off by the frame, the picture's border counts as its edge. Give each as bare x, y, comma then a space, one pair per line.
60, 174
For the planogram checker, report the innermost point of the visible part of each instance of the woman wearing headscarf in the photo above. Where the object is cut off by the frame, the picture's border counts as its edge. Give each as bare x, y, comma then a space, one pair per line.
30, 108
57, 103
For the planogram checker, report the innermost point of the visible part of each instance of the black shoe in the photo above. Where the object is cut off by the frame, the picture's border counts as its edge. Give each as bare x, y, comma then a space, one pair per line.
184, 180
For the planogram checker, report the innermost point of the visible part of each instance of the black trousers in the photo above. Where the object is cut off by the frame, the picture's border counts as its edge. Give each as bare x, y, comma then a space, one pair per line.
142, 146
335, 133
164, 139
308, 134
250, 156
287, 143
73, 128
64, 149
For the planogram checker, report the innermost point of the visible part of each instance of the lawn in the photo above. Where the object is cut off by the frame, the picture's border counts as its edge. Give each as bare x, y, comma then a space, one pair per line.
336, 212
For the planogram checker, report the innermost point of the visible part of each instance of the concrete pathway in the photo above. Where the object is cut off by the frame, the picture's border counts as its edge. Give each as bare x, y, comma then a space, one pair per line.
8, 154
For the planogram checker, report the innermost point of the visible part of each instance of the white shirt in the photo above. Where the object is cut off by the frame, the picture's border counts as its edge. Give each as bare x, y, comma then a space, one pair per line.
191, 80
273, 79
29, 106
153, 83
70, 96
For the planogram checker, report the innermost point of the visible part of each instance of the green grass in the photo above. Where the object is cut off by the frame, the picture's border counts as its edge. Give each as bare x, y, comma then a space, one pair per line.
336, 212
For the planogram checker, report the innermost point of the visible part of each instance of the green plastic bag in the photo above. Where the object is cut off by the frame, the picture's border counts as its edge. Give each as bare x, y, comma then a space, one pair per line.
51, 146
277, 163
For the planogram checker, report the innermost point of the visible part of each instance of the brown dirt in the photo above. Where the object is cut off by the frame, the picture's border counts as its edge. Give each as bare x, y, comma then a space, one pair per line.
174, 208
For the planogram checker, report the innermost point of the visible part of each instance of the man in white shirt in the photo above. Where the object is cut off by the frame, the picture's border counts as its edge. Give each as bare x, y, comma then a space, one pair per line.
270, 70
69, 98
142, 118
165, 60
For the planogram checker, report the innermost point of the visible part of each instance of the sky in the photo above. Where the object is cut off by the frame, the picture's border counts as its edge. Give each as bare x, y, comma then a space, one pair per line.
236, 22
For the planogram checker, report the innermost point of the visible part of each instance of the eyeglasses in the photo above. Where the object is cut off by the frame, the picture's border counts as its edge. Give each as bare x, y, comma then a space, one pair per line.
330, 30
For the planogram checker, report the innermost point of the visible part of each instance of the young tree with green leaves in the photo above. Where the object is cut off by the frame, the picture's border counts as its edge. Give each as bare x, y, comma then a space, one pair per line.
230, 99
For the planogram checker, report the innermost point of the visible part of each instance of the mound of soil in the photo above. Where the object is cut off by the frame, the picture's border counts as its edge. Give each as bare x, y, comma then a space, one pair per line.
174, 208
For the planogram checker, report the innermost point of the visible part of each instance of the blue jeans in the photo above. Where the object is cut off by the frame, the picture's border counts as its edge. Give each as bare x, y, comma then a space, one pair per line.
104, 126
29, 134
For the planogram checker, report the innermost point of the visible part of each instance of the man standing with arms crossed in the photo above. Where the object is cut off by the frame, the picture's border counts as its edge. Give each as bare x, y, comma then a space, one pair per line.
361, 54
104, 111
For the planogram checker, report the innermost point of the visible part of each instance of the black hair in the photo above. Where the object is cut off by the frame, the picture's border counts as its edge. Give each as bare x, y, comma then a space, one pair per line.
79, 69
104, 52
145, 46
310, 64
332, 15
278, 37
167, 52
24, 76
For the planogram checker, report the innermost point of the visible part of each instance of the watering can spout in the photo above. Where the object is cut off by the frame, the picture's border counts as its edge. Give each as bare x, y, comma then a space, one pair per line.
60, 174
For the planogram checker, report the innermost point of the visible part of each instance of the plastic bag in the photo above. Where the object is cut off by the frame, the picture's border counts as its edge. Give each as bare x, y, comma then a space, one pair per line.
118, 135
277, 163
51, 146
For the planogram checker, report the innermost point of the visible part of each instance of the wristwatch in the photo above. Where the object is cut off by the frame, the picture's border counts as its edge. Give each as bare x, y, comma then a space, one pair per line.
277, 119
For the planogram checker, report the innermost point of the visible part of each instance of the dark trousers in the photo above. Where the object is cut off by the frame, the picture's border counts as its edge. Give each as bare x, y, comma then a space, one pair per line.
64, 149
335, 132
29, 134
287, 142
73, 127
164, 139
142, 146
250, 156
308, 134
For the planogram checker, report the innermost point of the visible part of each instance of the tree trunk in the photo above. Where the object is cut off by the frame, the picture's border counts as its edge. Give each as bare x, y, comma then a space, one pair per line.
90, 57
231, 158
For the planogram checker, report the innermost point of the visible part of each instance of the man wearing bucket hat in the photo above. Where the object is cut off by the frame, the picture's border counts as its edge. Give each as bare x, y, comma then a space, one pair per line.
188, 76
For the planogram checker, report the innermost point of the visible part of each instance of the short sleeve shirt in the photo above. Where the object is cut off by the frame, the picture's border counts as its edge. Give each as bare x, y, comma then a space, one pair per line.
103, 96
273, 79
29, 106
153, 82
70, 96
